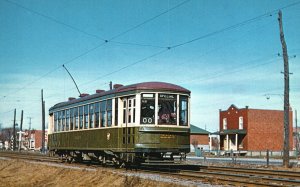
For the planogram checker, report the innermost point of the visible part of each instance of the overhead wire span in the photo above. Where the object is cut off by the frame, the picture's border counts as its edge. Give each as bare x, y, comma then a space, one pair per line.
148, 20
268, 14
53, 19
79, 30
96, 36
168, 48
127, 66
235, 70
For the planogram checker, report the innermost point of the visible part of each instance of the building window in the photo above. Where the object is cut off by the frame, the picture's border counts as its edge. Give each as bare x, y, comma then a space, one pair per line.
224, 123
241, 122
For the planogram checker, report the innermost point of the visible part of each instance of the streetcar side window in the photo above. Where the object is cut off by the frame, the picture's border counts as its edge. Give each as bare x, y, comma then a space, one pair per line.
80, 117
167, 105
76, 119
147, 108
67, 119
91, 116
183, 110
63, 120
97, 110
59, 121
102, 113
116, 111
55, 121
124, 111
86, 116
109, 112
71, 119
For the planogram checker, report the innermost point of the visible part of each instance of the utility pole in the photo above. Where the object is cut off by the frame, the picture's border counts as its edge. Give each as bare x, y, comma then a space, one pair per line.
286, 145
43, 123
297, 136
14, 131
20, 132
29, 133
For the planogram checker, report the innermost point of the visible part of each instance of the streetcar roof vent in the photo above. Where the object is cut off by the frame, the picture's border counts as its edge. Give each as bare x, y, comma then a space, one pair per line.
71, 98
83, 95
117, 86
99, 91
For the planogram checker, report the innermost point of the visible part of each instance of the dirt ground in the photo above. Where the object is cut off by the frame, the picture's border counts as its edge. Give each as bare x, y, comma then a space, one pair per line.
24, 173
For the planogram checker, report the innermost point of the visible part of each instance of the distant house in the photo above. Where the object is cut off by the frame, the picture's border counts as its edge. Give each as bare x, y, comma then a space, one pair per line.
296, 138
199, 138
33, 139
253, 129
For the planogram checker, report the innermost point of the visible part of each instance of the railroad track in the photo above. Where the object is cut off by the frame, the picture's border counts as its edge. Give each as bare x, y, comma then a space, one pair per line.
234, 176
29, 156
212, 174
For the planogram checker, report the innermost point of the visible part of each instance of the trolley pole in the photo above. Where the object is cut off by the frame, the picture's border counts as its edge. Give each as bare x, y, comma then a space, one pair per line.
286, 146
43, 122
14, 131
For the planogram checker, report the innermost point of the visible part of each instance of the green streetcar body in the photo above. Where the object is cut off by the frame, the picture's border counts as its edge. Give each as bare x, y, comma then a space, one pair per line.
123, 131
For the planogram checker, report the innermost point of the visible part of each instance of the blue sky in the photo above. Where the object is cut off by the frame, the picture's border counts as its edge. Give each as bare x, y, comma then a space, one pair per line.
220, 64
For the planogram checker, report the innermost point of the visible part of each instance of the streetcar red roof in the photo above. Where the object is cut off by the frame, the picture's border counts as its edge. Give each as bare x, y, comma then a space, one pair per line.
159, 86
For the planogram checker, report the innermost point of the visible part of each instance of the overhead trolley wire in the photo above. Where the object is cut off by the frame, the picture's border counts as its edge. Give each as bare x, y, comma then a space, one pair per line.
96, 36
148, 20
268, 14
94, 48
194, 40
171, 47
53, 19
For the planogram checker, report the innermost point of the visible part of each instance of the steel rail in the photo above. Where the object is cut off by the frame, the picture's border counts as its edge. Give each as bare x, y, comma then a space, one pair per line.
281, 173
211, 174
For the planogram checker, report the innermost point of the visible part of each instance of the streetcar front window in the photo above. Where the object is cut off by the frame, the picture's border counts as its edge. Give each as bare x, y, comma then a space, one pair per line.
148, 108
167, 109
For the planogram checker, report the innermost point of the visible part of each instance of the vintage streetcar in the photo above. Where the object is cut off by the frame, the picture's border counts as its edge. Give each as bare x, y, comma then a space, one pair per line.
128, 124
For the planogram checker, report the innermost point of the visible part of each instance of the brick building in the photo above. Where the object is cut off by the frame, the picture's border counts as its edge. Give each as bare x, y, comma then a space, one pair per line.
33, 139
199, 138
248, 129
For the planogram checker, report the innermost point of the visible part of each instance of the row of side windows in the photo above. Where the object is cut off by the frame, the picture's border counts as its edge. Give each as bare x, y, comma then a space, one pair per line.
241, 123
89, 116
